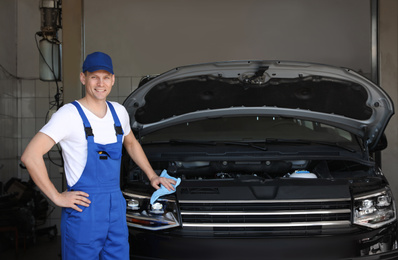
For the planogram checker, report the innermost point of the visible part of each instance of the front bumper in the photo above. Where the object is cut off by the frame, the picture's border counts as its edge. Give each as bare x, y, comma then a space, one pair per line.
174, 245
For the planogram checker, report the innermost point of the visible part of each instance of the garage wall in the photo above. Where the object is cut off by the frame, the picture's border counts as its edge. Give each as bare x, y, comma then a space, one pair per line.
24, 99
388, 27
8, 92
148, 37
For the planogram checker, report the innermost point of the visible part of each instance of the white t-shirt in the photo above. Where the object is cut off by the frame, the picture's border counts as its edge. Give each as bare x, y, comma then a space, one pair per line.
66, 128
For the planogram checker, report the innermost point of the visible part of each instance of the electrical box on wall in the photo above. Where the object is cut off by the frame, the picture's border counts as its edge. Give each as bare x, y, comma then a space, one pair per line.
49, 45
50, 59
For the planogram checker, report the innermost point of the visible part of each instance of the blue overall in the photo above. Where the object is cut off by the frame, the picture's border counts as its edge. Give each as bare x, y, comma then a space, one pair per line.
100, 230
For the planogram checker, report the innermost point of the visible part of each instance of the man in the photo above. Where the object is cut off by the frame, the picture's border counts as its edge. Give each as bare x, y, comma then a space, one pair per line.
91, 132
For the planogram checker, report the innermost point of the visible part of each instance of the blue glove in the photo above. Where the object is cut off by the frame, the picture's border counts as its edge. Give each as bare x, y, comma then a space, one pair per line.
162, 190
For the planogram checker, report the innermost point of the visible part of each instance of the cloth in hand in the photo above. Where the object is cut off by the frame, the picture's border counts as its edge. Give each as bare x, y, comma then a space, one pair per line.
163, 190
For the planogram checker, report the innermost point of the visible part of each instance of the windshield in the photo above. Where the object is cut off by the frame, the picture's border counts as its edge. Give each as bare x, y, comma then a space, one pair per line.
252, 129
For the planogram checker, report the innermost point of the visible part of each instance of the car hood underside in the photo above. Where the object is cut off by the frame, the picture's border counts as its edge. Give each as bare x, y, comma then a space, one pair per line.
331, 95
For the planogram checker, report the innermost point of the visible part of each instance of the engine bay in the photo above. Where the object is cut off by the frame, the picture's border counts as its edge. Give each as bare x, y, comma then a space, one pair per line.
268, 169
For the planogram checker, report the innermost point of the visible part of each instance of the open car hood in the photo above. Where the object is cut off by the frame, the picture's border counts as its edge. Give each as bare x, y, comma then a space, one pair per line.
336, 96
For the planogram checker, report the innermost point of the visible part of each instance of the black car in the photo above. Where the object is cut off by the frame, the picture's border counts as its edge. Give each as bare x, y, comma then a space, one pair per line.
275, 161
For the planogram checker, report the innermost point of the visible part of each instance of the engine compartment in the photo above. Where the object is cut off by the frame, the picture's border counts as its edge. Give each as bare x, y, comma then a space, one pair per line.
268, 169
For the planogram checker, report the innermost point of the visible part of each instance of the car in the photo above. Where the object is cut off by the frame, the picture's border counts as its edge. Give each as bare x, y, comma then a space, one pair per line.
276, 161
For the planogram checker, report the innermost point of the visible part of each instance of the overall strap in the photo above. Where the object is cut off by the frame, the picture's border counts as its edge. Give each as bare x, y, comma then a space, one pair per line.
86, 123
118, 126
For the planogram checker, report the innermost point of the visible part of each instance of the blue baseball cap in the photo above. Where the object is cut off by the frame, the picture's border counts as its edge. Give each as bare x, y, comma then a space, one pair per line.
98, 61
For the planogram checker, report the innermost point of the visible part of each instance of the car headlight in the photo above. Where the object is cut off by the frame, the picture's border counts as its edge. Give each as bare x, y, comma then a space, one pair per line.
374, 210
141, 214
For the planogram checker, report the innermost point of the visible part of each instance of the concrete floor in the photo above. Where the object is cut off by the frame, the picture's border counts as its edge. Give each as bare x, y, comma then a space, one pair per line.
43, 248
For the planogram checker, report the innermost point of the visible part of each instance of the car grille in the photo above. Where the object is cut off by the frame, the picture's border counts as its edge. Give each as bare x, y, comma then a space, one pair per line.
273, 214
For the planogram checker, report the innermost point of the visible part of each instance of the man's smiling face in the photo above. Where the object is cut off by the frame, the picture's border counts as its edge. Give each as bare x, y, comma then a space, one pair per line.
98, 83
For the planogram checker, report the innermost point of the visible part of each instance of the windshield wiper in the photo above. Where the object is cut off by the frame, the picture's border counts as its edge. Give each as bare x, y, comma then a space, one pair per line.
301, 141
183, 141
204, 142
250, 144
253, 143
